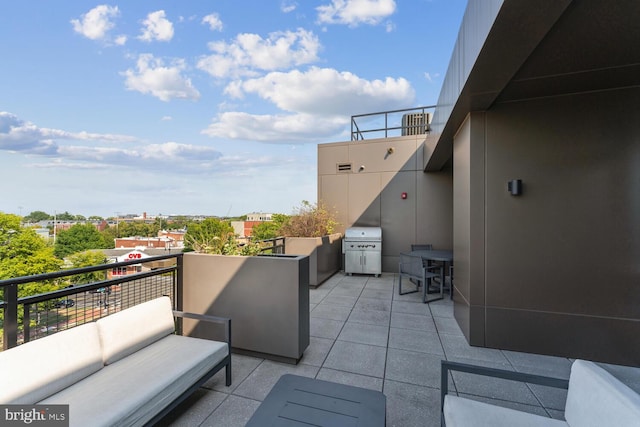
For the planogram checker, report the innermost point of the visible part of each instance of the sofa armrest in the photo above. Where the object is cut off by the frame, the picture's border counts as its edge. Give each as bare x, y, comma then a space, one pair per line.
208, 318
447, 366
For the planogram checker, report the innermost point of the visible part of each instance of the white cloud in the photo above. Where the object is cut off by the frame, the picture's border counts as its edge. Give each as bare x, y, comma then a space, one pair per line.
320, 100
156, 27
215, 24
293, 128
430, 77
355, 12
164, 82
16, 135
120, 40
250, 52
96, 23
390, 26
327, 92
166, 118
288, 6
168, 157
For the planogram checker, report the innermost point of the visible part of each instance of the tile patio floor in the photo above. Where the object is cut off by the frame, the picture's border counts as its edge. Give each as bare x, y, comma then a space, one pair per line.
363, 333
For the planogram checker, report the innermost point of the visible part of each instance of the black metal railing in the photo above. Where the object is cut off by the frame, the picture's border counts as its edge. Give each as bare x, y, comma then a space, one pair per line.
385, 124
272, 246
81, 298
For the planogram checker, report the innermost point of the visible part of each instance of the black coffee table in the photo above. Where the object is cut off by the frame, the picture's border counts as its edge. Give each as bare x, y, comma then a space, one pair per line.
302, 401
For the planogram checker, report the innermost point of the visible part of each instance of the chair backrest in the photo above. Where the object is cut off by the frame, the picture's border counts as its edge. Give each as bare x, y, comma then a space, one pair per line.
411, 265
127, 331
35, 370
596, 398
422, 247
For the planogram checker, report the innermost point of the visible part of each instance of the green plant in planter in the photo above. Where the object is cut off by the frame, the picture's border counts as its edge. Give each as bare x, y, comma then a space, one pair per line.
311, 220
214, 236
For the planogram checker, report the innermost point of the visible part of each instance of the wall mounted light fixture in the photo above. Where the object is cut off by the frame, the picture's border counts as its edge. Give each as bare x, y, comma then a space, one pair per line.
514, 187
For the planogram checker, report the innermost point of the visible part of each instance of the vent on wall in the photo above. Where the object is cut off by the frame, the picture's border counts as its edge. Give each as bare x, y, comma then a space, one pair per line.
343, 167
415, 124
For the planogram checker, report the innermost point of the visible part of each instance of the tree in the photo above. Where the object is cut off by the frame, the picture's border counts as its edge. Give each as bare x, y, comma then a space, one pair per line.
312, 220
209, 236
87, 259
109, 236
37, 216
138, 228
78, 238
269, 229
177, 223
95, 218
65, 216
24, 253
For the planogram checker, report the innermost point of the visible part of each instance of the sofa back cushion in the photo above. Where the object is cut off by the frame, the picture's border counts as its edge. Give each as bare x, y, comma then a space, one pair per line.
127, 331
37, 369
596, 398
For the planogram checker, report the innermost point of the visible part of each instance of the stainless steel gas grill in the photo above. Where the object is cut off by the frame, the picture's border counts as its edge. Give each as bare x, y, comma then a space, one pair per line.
362, 249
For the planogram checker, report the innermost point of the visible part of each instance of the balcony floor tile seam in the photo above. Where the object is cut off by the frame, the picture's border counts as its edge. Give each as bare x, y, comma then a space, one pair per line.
527, 385
245, 378
358, 342
411, 384
347, 372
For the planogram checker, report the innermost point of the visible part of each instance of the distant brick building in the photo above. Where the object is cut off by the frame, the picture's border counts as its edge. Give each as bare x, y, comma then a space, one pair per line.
167, 239
145, 242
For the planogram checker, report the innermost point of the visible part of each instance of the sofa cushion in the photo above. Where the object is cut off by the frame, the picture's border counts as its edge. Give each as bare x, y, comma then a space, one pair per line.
462, 412
127, 331
132, 390
596, 398
40, 368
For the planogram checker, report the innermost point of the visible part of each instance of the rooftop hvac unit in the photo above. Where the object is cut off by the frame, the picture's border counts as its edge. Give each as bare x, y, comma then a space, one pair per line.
415, 124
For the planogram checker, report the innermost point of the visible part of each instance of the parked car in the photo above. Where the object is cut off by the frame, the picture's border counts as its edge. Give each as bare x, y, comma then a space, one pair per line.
64, 303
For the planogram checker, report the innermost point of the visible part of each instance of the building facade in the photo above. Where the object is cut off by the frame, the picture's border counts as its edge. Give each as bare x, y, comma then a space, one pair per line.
544, 94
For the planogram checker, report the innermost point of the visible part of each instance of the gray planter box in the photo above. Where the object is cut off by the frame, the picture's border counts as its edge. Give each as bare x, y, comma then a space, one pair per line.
325, 255
266, 297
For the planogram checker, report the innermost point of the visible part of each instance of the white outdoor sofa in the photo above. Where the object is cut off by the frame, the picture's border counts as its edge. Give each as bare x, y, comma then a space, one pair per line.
595, 398
126, 369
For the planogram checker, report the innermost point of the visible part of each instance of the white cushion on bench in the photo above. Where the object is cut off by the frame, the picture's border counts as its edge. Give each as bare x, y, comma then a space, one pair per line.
40, 368
596, 398
132, 390
127, 331
461, 411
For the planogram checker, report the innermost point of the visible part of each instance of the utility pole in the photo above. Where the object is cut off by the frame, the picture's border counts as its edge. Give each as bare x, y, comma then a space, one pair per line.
117, 223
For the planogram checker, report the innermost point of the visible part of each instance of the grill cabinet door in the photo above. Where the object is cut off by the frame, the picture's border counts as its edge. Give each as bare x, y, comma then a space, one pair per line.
372, 261
353, 261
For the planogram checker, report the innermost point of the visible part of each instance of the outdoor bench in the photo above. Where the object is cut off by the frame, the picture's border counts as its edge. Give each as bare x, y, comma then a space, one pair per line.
125, 369
595, 398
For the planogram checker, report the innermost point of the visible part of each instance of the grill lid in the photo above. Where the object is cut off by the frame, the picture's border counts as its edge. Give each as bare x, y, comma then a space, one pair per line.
363, 233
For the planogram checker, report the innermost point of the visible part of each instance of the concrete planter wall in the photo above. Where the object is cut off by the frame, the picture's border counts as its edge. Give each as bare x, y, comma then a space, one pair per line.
266, 297
325, 255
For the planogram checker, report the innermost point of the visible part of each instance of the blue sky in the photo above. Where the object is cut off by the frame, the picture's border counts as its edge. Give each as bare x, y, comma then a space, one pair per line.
200, 107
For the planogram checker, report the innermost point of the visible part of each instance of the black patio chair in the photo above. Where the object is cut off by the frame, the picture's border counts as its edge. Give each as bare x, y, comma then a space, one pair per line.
412, 267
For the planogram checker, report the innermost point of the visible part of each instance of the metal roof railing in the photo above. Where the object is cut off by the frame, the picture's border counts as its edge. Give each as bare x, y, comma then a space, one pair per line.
385, 124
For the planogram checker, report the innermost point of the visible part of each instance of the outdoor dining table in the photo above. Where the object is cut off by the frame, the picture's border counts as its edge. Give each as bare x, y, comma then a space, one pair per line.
443, 256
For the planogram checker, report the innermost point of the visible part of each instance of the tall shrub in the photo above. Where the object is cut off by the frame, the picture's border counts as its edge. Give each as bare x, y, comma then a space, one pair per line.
310, 220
